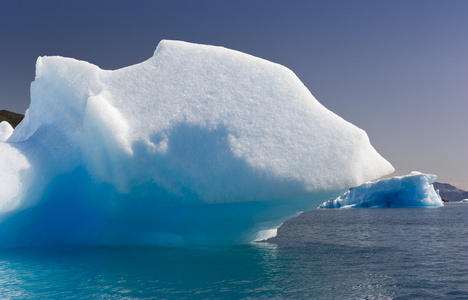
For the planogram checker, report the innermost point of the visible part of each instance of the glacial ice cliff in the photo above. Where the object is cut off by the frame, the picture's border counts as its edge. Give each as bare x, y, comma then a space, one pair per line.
411, 190
197, 145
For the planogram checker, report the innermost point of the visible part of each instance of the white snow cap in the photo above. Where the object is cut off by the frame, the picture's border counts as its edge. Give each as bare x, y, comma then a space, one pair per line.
192, 125
218, 118
5, 131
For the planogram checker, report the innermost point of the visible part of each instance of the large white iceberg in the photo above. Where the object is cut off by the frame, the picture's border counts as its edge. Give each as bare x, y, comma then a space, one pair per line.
198, 144
411, 190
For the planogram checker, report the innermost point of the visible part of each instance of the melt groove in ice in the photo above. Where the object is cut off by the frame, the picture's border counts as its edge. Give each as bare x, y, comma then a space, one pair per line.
197, 145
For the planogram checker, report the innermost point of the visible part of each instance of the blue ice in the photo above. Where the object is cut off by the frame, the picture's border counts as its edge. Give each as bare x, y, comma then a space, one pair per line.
411, 190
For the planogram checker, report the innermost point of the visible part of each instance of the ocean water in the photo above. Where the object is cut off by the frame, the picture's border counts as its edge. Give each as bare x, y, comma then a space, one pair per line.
401, 253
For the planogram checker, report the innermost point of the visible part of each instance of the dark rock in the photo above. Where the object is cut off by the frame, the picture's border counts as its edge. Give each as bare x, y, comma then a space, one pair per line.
13, 118
450, 192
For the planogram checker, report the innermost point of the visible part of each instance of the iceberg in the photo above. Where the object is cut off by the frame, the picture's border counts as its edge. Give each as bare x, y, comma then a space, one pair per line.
411, 190
196, 145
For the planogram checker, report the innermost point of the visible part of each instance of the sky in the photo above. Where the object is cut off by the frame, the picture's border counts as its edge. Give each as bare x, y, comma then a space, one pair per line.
397, 69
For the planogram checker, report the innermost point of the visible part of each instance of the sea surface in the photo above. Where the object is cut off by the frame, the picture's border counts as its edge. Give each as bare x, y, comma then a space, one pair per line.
396, 253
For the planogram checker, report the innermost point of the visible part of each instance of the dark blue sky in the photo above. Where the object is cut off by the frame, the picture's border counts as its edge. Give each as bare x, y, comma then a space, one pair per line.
397, 69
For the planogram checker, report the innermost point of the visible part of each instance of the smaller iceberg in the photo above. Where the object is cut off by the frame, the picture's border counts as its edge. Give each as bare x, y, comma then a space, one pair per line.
414, 189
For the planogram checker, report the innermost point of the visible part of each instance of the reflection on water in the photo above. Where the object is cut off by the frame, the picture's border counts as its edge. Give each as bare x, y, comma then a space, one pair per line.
325, 254
137, 272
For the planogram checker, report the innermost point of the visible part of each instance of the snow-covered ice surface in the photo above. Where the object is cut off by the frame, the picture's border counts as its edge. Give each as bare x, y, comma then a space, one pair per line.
197, 145
5, 131
414, 189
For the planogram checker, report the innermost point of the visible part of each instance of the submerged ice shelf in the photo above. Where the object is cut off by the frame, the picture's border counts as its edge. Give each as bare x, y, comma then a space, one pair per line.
197, 145
411, 190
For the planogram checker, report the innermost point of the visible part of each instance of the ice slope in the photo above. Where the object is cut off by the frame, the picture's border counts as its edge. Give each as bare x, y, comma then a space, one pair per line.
197, 145
414, 189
